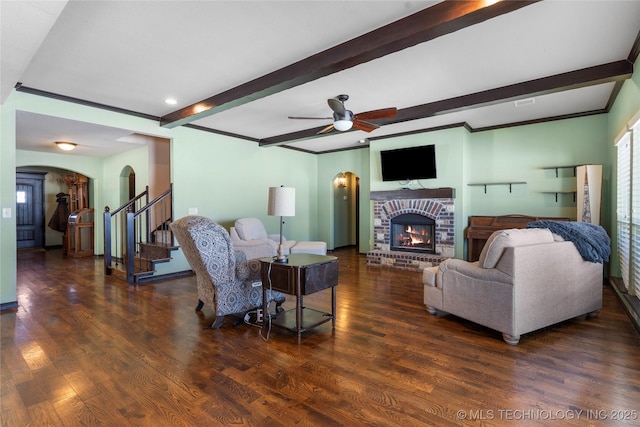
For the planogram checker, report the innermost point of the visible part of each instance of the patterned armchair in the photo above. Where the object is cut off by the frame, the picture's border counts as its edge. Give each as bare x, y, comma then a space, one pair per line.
227, 282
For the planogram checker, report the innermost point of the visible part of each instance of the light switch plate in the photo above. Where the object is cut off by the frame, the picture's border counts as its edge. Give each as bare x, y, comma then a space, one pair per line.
193, 211
6, 212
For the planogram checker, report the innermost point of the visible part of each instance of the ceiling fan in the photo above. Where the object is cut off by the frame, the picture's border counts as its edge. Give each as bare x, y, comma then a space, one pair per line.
344, 119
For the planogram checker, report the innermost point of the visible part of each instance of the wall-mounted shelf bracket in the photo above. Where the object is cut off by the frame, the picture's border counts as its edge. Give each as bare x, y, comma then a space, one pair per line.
484, 184
557, 168
561, 192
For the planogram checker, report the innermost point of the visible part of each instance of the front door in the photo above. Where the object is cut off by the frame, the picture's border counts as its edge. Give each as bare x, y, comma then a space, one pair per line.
30, 210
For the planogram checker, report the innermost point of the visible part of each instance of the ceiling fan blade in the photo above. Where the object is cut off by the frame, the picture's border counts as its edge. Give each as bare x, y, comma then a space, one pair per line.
310, 118
365, 126
383, 113
326, 130
336, 105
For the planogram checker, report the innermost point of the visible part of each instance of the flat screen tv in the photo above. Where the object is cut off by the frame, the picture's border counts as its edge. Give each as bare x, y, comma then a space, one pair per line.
406, 164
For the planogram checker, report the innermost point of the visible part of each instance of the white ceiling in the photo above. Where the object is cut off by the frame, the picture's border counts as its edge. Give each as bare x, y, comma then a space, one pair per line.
131, 55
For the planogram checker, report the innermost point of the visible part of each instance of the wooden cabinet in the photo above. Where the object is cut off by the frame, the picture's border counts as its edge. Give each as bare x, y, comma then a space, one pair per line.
79, 234
78, 238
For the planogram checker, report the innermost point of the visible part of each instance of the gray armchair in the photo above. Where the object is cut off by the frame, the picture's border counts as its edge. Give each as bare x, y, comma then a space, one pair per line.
227, 282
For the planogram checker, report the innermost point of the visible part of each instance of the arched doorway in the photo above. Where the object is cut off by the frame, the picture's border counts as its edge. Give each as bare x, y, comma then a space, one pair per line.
127, 184
346, 212
54, 190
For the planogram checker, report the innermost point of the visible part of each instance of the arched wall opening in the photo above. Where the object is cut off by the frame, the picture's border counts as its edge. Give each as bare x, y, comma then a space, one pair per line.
346, 186
55, 182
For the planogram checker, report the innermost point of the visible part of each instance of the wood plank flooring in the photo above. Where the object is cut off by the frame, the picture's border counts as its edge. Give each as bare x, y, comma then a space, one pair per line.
87, 350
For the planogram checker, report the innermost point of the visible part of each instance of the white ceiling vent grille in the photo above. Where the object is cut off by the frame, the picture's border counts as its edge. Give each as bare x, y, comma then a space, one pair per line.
523, 102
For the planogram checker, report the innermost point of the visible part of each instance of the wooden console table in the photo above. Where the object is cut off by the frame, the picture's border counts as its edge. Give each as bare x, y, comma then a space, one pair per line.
303, 274
481, 227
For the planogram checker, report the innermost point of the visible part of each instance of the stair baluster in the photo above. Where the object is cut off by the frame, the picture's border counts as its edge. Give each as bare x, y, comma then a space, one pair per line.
140, 249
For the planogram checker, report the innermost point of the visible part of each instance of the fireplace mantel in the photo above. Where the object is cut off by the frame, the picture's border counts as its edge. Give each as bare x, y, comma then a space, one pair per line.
422, 193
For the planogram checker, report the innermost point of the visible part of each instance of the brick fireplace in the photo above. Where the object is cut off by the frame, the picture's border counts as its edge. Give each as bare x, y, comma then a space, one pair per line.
422, 222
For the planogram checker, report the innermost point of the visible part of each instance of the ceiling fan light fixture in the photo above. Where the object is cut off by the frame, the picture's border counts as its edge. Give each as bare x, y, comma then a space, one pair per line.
342, 125
342, 120
66, 146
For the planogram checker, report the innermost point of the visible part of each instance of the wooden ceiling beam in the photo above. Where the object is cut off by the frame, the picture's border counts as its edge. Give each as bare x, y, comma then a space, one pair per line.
605, 73
443, 18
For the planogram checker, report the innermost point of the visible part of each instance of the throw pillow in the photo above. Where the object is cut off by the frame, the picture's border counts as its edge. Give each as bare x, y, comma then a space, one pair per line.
250, 229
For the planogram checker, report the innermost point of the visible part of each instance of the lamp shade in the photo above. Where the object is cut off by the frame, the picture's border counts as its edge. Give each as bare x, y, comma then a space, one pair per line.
282, 201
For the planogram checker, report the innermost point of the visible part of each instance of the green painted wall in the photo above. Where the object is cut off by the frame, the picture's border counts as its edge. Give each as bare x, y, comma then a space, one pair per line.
7, 201
329, 167
115, 184
226, 179
521, 153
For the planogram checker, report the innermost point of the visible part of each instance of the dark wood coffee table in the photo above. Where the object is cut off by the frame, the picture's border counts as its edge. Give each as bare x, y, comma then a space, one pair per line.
303, 274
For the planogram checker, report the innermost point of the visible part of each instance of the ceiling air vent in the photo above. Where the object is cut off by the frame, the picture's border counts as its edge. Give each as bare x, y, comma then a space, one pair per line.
523, 102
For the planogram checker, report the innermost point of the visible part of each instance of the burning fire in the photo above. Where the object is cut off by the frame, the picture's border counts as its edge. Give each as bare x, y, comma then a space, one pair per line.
416, 237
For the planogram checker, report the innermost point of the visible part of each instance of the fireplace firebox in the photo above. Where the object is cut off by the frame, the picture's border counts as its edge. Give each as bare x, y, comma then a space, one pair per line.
412, 233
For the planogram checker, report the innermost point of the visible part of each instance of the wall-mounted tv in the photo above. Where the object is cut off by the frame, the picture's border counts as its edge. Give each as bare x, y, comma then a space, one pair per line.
405, 164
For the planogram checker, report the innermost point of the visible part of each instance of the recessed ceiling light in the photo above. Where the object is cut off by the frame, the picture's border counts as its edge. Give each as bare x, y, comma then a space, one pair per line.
170, 101
199, 108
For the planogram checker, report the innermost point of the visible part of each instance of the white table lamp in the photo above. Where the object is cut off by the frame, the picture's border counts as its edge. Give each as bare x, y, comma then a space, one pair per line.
282, 202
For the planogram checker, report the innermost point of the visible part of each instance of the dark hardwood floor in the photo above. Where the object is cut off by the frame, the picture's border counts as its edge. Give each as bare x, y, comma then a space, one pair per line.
84, 349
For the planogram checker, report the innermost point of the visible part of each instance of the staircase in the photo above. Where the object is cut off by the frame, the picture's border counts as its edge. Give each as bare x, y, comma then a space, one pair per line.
137, 237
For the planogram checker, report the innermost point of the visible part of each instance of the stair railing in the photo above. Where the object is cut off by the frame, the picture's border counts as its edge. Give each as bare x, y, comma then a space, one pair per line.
114, 230
130, 228
143, 230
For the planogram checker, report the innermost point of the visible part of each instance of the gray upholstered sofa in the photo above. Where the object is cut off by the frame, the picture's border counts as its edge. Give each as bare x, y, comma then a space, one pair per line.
525, 279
